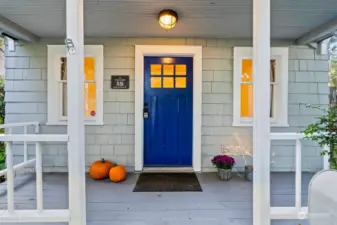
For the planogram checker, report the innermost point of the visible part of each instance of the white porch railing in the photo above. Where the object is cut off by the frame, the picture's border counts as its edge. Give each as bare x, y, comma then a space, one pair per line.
297, 212
40, 214
9, 128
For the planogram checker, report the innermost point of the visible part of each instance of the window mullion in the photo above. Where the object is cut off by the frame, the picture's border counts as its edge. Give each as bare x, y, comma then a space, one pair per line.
90, 81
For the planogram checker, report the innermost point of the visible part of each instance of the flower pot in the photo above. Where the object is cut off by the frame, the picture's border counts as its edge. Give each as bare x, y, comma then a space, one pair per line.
225, 174
249, 173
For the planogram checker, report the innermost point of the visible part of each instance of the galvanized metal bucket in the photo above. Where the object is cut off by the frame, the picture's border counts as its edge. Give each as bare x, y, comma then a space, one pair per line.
225, 174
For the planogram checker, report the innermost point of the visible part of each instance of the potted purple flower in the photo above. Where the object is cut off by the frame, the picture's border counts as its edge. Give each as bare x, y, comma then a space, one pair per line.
224, 164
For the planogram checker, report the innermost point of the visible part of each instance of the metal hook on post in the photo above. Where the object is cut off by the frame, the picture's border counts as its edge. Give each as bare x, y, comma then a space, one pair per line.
70, 46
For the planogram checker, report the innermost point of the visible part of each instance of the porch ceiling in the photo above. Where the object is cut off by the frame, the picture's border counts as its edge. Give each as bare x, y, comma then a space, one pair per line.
198, 18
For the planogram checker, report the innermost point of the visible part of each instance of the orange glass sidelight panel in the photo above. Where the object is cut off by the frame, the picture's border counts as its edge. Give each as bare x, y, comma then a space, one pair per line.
247, 70
89, 68
247, 89
246, 100
90, 99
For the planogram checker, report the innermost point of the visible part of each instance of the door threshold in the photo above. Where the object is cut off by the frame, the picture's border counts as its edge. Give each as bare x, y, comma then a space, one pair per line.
168, 170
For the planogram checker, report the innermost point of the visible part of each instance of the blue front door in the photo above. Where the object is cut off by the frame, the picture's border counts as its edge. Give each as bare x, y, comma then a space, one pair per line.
168, 104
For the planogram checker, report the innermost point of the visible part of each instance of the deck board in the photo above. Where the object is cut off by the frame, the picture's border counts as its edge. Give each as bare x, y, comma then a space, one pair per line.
220, 203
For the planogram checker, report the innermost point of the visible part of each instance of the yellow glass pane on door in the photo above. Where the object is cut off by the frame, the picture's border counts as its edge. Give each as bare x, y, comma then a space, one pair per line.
90, 99
168, 82
168, 69
246, 100
155, 69
89, 68
247, 70
155, 82
181, 82
180, 70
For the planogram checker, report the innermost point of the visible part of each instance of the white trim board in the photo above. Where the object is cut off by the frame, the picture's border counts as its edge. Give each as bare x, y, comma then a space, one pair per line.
164, 50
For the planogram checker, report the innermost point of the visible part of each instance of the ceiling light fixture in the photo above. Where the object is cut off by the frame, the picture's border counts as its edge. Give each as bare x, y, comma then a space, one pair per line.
167, 19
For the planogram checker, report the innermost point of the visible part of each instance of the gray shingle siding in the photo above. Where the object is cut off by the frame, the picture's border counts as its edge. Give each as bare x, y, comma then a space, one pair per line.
26, 100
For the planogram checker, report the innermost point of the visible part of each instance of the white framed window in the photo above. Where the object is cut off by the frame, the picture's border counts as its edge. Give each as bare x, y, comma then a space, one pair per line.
93, 85
243, 82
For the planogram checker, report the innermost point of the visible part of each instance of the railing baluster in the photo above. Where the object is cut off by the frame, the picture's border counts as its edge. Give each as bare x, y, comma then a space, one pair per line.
326, 163
39, 182
37, 128
10, 177
25, 151
298, 176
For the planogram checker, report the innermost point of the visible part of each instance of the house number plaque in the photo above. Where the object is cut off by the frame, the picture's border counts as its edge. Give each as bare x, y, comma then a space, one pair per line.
120, 82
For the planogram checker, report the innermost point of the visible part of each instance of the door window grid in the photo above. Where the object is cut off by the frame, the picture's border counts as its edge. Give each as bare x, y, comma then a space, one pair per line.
168, 76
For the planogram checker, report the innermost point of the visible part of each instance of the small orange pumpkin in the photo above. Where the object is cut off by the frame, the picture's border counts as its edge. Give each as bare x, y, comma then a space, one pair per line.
117, 173
100, 169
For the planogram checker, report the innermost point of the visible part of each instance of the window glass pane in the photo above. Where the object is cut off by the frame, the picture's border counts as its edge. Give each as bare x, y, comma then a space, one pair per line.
168, 82
272, 70
271, 100
64, 100
155, 82
63, 62
90, 99
247, 89
247, 70
155, 69
181, 70
89, 68
89, 88
168, 70
246, 100
181, 82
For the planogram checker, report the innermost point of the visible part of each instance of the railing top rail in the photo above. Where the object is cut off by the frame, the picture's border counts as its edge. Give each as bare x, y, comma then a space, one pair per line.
10, 125
34, 137
286, 136
294, 135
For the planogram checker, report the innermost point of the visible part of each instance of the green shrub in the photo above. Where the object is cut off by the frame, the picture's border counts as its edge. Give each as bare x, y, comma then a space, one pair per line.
324, 131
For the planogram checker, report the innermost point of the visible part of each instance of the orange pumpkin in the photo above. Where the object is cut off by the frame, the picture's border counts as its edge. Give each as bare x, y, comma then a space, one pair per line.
100, 169
117, 173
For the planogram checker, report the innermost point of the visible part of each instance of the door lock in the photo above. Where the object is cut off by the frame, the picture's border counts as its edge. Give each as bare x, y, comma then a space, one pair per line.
146, 111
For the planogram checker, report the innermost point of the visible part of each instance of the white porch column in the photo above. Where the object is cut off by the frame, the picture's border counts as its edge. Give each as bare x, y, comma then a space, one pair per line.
76, 144
261, 125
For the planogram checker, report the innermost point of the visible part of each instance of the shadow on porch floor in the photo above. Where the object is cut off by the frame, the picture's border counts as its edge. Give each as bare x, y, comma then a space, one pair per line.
220, 203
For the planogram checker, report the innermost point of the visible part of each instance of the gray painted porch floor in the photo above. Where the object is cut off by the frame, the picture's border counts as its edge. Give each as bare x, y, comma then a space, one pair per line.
220, 203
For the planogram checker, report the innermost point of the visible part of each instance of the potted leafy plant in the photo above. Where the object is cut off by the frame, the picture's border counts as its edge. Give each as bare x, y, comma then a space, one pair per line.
224, 164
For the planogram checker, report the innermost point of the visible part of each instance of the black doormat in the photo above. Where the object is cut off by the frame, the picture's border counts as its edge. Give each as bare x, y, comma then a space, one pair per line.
167, 182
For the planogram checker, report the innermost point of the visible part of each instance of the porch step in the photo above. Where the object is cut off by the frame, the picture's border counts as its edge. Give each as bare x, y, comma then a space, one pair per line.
167, 170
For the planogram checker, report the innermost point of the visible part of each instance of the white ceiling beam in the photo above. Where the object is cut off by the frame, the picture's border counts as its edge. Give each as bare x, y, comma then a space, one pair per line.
319, 33
16, 31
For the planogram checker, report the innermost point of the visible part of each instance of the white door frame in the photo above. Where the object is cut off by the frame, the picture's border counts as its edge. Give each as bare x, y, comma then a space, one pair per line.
168, 50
